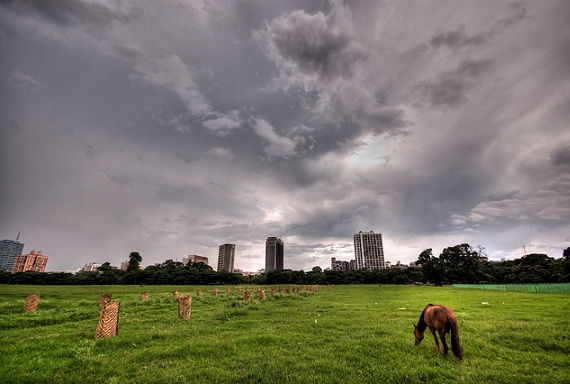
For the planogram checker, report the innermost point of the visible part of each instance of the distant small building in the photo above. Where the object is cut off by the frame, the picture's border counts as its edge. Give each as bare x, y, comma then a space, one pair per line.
91, 267
259, 272
413, 264
73, 271
399, 265
352, 265
34, 261
124, 265
339, 265
195, 259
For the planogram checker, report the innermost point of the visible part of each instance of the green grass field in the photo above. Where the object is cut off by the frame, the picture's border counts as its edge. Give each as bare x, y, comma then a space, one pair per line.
343, 334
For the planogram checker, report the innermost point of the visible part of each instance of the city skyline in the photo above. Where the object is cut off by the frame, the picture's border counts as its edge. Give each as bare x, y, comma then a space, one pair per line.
274, 255
174, 129
368, 252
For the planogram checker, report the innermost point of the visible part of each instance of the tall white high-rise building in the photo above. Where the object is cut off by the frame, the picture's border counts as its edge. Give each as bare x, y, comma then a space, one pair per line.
368, 250
226, 257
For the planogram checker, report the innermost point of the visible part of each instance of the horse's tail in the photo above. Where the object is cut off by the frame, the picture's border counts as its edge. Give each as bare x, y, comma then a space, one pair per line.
455, 347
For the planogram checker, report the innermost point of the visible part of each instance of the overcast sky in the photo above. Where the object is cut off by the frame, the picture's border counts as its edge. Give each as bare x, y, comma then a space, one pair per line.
171, 127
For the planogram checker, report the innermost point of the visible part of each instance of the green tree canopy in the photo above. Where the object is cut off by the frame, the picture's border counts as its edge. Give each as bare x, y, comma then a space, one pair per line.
105, 267
134, 262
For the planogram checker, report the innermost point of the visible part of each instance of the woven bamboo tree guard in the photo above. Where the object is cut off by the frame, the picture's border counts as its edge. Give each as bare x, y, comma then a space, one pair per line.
261, 296
198, 292
175, 294
31, 303
238, 289
108, 320
216, 290
228, 290
272, 292
246, 297
184, 307
144, 296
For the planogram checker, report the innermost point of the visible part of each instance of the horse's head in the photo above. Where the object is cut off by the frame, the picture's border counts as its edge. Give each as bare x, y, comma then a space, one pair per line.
418, 334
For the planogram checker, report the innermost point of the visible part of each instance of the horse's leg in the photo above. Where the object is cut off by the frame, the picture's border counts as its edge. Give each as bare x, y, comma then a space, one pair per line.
435, 338
442, 336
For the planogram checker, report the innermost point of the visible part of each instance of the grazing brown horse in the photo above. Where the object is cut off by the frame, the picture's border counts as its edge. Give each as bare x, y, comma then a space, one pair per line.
441, 319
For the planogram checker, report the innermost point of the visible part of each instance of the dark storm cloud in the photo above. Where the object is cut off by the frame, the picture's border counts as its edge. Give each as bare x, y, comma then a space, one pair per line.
315, 43
173, 128
321, 54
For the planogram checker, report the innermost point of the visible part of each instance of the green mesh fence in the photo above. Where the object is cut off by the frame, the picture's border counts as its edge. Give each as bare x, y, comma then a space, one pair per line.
531, 288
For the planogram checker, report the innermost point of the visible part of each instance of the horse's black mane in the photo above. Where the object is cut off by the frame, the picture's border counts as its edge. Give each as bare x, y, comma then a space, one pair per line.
421, 323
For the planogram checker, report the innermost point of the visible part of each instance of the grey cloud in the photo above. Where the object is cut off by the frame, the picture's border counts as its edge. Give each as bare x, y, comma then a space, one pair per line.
90, 151
314, 43
23, 82
322, 55
550, 204
72, 12
447, 91
184, 156
456, 39
172, 73
503, 195
472, 68
222, 124
451, 88
175, 131
121, 178
221, 153
278, 146
129, 51
520, 13
561, 156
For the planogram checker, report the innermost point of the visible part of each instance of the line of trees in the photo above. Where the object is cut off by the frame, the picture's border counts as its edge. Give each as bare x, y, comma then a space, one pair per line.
462, 264
457, 264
